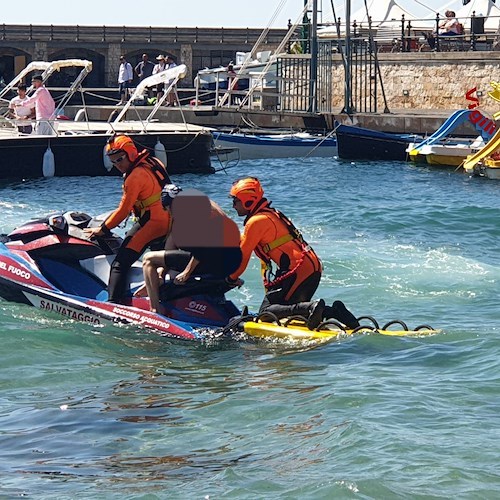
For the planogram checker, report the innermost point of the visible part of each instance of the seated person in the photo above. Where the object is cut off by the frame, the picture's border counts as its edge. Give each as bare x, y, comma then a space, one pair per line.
203, 240
447, 27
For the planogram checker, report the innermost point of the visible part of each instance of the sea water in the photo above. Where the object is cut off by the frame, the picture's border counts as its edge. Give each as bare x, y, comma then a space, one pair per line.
117, 412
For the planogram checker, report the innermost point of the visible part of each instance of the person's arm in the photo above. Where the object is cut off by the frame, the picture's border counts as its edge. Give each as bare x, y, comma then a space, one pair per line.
12, 110
31, 101
183, 276
131, 190
170, 243
250, 238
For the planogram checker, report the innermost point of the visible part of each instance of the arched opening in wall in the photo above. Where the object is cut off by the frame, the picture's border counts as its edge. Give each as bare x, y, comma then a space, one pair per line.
12, 62
95, 79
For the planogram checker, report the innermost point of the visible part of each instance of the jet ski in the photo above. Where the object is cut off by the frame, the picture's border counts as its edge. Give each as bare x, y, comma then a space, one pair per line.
51, 264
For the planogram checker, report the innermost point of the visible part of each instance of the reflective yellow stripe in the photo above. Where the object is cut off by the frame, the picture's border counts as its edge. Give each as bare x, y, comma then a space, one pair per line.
277, 242
141, 205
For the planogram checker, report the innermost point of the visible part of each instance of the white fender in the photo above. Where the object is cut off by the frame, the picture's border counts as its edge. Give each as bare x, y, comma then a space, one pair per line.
105, 159
160, 152
49, 163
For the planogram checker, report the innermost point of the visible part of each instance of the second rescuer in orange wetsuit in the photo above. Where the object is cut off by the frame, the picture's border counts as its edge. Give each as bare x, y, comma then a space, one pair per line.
274, 239
144, 177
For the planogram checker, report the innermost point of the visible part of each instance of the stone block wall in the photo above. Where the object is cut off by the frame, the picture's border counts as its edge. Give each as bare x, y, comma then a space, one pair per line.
430, 81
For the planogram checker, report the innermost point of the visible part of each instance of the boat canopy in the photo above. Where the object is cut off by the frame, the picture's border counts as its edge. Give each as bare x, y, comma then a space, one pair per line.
48, 68
169, 76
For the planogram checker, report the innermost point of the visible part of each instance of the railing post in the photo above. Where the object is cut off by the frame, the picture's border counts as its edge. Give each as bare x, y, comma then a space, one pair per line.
409, 40
103, 33
3, 32
51, 32
402, 47
472, 32
77, 38
150, 35
31, 32
175, 38
123, 34
437, 32
222, 35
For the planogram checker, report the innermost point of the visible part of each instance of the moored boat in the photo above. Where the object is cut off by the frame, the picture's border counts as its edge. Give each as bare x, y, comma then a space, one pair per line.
357, 143
442, 150
75, 148
280, 145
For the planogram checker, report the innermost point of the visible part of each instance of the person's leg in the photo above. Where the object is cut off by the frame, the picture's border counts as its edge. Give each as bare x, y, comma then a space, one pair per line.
151, 262
121, 93
298, 304
119, 272
134, 244
339, 311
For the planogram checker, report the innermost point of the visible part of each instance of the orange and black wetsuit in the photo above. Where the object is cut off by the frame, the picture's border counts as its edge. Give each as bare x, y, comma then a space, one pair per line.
275, 239
141, 194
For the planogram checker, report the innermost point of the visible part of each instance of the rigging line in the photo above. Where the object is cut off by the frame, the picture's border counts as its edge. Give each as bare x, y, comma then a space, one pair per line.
327, 136
256, 45
374, 49
430, 8
279, 50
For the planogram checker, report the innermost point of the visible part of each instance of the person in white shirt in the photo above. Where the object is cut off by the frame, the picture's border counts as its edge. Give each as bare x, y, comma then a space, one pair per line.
125, 78
171, 95
20, 112
159, 67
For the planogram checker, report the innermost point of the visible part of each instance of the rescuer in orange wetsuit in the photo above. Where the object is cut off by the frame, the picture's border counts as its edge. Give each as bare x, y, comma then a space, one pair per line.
273, 238
144, 177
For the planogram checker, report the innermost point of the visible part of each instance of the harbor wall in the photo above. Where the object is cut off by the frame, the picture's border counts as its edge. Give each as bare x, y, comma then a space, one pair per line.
429, 80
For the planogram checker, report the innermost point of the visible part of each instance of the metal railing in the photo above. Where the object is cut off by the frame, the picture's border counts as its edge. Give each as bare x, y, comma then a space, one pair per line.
121, 34
412, 35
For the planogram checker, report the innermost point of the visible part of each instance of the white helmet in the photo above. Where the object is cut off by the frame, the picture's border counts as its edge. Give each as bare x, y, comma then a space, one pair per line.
168, 193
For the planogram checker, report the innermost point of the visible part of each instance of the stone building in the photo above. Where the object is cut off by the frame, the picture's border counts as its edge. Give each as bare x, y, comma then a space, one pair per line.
197, 48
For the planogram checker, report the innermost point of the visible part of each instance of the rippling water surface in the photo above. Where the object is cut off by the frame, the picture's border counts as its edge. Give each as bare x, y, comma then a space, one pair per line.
117, 412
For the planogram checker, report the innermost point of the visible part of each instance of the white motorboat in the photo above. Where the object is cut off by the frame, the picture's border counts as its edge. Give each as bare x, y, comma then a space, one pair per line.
76, 148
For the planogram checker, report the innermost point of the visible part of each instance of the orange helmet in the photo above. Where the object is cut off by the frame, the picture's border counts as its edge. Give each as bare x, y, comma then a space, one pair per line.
248, 191
124, 143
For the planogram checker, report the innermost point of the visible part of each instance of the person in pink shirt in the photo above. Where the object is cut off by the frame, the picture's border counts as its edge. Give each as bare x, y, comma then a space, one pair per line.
44, 106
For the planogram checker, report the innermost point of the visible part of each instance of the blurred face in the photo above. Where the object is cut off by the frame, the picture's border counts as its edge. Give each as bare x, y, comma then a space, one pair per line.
21, 93
36, 83
120, 161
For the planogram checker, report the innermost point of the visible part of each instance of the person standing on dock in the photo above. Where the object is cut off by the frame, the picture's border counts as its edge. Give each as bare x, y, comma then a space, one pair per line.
125, 78
159, 67
144, 69
170, 63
